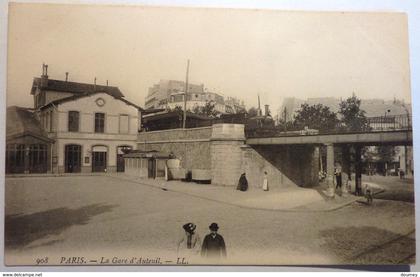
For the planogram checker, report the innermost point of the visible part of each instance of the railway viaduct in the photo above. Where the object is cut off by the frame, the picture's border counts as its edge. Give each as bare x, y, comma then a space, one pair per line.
224, 151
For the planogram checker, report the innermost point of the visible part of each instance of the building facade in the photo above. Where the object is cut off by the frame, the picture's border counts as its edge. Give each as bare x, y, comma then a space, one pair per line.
159, 94
169, 94
90, 132
85, 127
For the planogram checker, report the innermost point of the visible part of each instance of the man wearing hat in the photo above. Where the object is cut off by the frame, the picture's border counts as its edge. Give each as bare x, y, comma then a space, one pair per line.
213, 244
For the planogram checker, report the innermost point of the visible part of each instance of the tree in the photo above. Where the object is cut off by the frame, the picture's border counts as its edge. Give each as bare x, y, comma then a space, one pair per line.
252, 112
317, 117
385, 153
238, 110
209, 110
352, 117
176, 109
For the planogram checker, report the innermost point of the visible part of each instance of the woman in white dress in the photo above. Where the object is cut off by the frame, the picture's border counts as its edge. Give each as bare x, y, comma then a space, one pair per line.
265, 182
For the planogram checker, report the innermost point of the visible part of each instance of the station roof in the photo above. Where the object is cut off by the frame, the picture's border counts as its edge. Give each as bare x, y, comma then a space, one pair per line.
21, 122
75, 87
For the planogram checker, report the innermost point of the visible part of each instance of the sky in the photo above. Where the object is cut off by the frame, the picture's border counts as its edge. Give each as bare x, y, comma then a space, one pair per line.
239, 53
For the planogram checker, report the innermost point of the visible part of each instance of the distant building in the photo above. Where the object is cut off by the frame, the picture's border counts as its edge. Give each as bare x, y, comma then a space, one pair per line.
158, 95
372, 107
289, 107
169, 94
74, 127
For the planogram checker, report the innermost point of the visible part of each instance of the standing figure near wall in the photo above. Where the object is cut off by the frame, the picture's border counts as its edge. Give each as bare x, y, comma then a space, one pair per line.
243, 183
338, 176
265, 182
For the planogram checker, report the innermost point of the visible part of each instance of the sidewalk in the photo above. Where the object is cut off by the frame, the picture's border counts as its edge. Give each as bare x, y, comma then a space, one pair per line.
291, 199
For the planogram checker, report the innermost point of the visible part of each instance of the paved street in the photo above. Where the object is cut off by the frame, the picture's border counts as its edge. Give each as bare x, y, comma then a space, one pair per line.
101, 216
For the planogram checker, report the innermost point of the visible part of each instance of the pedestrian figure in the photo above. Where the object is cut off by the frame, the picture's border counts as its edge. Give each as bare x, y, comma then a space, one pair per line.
213, 244
338, 176
402, 174
265, 182
189, 244
368, 195
243, 183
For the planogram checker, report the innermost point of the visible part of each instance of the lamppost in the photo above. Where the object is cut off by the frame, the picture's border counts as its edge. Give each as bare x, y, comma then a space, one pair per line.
384, 120
405, 146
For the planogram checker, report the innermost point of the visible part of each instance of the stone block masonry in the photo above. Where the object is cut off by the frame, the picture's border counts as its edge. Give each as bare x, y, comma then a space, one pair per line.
221, 149
226, 153
191, 146
286, 166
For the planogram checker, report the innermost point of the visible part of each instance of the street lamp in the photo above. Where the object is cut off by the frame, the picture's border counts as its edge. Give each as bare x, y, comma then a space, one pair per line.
383, 124
405, 146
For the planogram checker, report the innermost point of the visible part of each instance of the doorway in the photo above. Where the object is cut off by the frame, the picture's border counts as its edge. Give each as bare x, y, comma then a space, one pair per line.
99, 158
151, 168
121, 150
72, 158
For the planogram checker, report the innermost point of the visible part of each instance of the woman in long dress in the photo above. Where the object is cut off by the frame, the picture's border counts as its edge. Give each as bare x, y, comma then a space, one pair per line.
265, 182
189, 244
243, 183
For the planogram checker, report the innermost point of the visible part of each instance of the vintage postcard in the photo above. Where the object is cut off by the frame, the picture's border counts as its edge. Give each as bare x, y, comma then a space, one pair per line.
141, 135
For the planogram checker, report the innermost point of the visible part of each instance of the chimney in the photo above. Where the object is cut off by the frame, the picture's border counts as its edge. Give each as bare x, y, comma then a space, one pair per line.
94, 84
67, 76
106, 82
44, 76
267, 111
259, 112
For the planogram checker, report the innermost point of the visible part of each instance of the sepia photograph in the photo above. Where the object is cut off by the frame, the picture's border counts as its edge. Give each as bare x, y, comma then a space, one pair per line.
180, 136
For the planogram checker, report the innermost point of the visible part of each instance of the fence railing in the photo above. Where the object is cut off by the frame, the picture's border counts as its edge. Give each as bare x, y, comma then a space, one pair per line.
374, 124
397, 122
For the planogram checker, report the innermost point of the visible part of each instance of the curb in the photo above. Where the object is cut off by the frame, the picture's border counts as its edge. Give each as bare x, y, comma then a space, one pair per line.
292, 210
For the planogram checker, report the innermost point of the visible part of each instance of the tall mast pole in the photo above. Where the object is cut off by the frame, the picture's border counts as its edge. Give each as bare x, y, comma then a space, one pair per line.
185, 96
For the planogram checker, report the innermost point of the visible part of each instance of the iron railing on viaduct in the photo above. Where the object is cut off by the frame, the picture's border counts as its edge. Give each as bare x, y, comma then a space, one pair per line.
374, 124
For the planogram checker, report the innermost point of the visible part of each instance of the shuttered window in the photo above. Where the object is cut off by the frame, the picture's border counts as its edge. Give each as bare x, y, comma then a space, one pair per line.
123, 123
99, 122
73, 121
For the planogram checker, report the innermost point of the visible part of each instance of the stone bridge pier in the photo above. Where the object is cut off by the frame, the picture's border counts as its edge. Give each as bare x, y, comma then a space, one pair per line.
222, 151
345, 164
286, 165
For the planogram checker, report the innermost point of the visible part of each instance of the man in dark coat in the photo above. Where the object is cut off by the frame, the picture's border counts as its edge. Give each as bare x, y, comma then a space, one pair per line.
213, 244
243, 183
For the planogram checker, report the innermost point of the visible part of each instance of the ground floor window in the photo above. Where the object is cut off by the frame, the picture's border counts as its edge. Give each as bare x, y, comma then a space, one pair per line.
15, 158
38, 160
26, 158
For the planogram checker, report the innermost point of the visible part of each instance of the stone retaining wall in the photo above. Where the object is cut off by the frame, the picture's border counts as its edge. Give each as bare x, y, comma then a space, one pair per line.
221, 149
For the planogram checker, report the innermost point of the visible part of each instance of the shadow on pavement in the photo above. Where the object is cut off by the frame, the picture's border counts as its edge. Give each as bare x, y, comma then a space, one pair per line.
20, 230
405, 196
